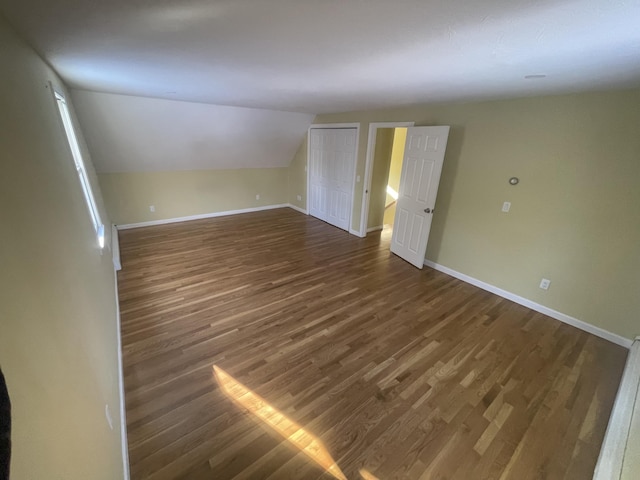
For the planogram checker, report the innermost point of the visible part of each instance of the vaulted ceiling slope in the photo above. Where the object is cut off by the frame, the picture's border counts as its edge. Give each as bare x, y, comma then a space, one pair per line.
320, 56
138, 134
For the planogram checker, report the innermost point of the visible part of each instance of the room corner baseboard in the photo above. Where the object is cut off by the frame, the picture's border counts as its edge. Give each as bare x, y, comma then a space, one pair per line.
200, 217
587, 327
356, 233
375, 229
616, 446
298, 209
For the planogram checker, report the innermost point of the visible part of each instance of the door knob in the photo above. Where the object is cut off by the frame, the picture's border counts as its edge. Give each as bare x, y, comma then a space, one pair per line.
429, 210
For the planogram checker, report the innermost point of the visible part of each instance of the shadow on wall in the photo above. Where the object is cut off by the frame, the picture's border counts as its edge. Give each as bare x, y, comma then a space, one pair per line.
445, 190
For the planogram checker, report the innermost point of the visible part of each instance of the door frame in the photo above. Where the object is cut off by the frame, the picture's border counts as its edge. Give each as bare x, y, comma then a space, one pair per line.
355, 163
368, 169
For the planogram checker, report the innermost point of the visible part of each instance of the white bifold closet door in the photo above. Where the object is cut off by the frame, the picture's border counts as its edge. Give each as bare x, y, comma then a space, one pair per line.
332, 158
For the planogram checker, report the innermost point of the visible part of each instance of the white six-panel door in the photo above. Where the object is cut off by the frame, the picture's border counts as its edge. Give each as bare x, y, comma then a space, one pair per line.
331, 168
419, 179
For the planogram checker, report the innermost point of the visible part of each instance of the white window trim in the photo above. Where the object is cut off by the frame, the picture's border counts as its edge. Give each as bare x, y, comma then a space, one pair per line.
74, 147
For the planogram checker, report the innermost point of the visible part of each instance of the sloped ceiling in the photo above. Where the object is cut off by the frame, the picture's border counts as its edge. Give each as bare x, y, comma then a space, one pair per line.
137, 134
321, 56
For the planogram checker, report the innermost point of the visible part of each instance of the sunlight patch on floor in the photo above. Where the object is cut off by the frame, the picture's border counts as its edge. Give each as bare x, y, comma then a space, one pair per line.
298, 436
366, 475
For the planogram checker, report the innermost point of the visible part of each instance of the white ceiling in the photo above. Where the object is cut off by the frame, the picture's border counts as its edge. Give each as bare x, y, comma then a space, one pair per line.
334, 55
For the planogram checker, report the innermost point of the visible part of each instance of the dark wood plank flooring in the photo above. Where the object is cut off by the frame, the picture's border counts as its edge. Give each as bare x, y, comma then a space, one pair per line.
393, 372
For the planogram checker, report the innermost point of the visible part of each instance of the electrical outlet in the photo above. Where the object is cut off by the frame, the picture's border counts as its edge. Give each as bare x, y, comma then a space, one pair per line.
107, 413
299, 197
506, 206
258, 197
544, 284
152, 208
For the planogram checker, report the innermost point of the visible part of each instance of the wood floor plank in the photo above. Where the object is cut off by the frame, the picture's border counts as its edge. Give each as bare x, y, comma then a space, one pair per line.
393, 372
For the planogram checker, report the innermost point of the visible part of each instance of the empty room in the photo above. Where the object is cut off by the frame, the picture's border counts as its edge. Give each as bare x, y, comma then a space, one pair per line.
320, 240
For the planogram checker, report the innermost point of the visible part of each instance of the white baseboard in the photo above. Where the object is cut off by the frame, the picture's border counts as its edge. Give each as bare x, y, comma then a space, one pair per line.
587, 327
616, 446
200, 217
123, 414
375, 229
356, 233
301, 210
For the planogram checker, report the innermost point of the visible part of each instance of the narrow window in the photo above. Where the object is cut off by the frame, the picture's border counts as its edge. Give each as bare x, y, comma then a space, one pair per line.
82, 173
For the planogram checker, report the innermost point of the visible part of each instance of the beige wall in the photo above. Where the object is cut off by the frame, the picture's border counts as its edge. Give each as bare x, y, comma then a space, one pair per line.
184, 193
58, 341
574, 216
397, 155
379, 177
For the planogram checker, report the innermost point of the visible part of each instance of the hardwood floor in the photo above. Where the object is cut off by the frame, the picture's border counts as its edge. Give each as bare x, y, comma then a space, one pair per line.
330, 345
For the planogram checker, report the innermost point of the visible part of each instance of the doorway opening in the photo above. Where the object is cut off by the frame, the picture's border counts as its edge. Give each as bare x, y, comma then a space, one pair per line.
409, 207
385, 178
387, 133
